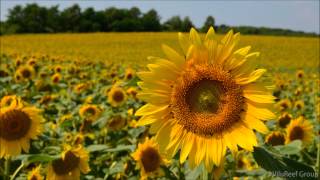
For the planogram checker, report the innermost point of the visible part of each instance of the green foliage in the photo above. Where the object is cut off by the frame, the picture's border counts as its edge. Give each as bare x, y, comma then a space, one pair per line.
33, 18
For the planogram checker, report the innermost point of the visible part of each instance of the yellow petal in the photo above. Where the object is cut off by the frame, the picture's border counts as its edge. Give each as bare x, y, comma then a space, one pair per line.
173, 56
150, 109
186, 146
184, 43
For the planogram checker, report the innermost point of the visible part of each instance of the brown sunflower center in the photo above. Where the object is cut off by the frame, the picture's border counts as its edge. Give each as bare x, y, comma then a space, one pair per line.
14, 124
26, 73
90, 111
118, 96
284, 120
66, 165
276, 139
296, 133
150, 159
206, 100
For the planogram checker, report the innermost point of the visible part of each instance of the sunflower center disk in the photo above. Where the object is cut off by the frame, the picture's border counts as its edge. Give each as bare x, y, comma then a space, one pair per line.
204, 96
206, 100
14, 124
150, 159
66, 165
296, 133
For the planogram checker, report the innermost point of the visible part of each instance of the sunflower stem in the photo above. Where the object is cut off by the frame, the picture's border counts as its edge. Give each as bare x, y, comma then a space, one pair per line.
7, 169
318, 159
307, 156
17, 171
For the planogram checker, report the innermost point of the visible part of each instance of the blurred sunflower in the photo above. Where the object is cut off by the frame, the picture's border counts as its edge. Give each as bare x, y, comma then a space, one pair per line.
116, 123
32, 62
206, 100
90, 112
284, 104
10, 100
25, 72
79, 88
73, 161
18, 124
116, 96
129, 74
284, 119
133, 92
301, 129
299, 104
55, 79
275, 138
35, 174
149, 159
57, 69
243, 162
300, 74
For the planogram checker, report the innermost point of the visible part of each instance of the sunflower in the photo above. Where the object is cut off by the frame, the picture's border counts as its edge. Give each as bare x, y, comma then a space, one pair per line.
79, 88
133, 92
300, 74
18, 124
284, 120
116, 123
243, 162
129, 74
116, 96
32, 62
301, 129
299, 104
56, 78
149, 159
275, 138
68, 167
35, 174
58, 69
206, 100
10, 100
90, 111
284, 104
25, 72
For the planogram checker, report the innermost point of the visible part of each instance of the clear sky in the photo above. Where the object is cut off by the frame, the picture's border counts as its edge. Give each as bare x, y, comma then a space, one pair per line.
296, 15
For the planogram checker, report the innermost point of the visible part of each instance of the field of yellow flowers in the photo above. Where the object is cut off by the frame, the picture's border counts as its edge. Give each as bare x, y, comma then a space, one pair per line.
69, 103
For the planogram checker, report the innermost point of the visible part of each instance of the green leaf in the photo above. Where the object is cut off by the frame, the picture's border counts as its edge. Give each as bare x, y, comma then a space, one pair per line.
97, 147
38, 158
122, 148
293, 148
282, 166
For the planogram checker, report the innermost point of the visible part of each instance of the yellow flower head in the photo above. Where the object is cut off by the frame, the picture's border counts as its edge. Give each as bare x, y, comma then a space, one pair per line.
299, 104
79, 88
276, 138
10, 100
90, 112
284, 120
300, 74
18, 124
73, 161
301, 129
205, 100
35, 174
25, 72
116, 96
133, 92
56, 78
149, 159
116, 123
129, 74
284, 104
58, 69
32, 62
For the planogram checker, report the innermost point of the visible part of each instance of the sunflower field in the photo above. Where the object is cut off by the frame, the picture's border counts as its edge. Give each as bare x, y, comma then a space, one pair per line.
124, 106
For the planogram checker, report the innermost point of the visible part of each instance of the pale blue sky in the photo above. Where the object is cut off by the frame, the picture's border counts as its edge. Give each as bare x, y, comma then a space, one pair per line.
296, 15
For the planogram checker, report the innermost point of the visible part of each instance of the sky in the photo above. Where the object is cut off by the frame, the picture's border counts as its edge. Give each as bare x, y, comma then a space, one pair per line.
296, 15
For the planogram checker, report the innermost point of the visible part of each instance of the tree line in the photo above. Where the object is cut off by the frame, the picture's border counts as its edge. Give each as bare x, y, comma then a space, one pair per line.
33, 18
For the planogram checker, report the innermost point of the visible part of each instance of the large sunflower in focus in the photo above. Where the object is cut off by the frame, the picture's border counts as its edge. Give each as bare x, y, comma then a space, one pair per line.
205, 100
18, 124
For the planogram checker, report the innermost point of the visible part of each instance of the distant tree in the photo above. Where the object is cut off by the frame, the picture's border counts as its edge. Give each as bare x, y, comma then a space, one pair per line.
173, 24
151, 21
70, 18
208, 23
186, 24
